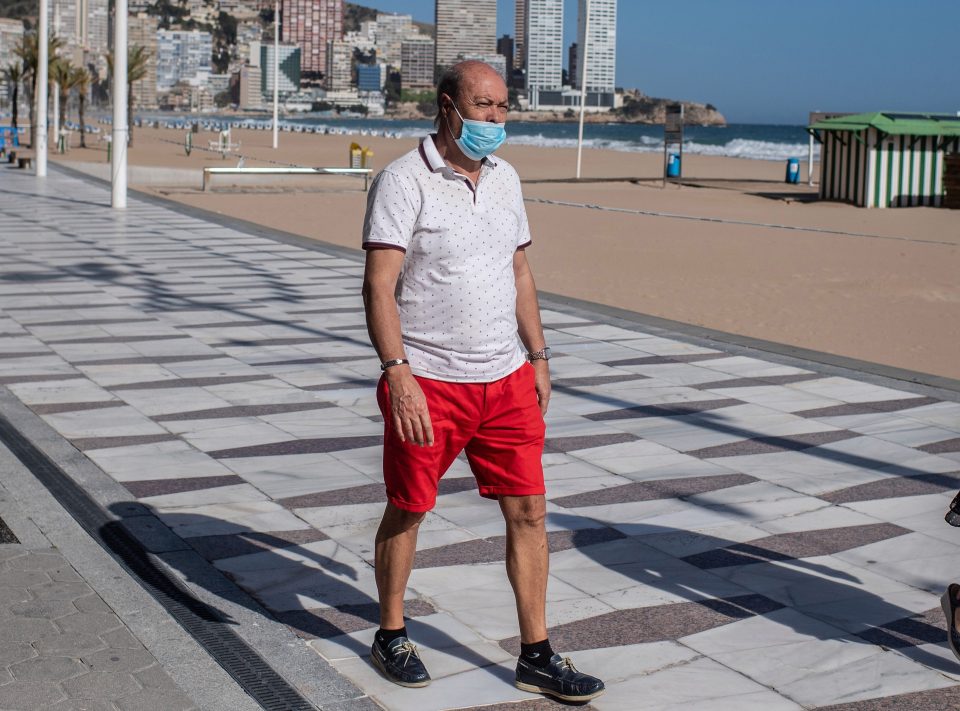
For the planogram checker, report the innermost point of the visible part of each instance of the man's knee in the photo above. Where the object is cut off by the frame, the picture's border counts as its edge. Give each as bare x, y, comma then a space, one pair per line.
524, 511
396, 521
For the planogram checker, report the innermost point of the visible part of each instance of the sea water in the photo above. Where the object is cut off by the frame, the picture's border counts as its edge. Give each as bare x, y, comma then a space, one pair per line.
754, 141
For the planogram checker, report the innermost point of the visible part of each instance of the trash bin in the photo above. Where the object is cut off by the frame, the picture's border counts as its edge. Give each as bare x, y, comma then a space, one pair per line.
673, 166
793, 170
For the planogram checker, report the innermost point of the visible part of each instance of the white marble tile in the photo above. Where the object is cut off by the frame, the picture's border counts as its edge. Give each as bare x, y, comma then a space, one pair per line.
219, 519
160, 460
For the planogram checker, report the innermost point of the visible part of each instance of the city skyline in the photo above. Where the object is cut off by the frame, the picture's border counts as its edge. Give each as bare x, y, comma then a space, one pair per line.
773, 62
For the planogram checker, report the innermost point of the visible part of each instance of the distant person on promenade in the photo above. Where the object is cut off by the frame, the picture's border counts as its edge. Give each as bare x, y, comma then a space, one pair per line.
453, 314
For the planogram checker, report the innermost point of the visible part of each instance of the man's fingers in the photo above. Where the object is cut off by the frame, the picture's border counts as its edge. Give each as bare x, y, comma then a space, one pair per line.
427, 429
417, 430
398, 427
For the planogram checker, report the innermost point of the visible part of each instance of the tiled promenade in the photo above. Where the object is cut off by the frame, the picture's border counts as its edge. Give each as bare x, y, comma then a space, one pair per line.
728, 531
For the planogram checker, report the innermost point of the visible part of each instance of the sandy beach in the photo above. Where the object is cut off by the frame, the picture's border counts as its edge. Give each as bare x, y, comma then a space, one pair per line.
737, 250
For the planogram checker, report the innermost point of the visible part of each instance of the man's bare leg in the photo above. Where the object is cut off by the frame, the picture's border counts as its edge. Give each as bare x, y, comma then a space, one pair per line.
396, 544
528, 562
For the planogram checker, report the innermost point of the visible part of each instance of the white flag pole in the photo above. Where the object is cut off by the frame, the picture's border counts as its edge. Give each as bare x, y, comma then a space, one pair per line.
118, 140
43, 70
276, 71
583, 83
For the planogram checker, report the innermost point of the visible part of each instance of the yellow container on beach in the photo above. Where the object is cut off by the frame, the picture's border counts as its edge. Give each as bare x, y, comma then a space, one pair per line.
366, 158
356, 155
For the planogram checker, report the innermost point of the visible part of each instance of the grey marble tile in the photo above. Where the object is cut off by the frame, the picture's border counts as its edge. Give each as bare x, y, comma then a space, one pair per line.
862, 408
768, 445
895, 487
299, 446
675, 409
160, 487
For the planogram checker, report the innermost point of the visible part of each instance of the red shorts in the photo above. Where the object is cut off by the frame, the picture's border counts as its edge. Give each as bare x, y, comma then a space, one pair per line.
498, 424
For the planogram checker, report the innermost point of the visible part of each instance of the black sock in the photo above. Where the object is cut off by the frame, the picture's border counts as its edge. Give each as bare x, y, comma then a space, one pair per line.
538, 654
385, 637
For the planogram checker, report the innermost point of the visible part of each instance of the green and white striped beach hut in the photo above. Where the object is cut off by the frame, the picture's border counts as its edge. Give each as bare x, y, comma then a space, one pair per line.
885, 159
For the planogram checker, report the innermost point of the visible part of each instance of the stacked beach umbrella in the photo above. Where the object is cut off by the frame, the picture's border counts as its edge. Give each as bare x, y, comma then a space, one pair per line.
886, 159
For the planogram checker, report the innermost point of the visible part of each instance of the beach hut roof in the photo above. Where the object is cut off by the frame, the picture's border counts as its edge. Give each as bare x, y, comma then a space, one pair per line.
893, 123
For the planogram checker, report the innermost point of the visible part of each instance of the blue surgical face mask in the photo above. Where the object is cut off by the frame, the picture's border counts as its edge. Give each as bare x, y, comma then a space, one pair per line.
478, 139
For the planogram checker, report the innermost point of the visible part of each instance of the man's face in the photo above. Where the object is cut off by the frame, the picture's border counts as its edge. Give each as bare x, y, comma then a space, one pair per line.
483, 97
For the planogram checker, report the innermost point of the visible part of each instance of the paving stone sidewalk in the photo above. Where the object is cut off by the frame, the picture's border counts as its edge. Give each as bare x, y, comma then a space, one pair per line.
65, 648
730, 529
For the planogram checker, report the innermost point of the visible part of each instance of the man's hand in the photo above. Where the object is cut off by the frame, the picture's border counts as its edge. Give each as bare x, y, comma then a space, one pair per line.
411, 418
542, 383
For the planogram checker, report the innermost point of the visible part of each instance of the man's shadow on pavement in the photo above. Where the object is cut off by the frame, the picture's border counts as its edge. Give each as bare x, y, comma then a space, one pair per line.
349, 609
139, 531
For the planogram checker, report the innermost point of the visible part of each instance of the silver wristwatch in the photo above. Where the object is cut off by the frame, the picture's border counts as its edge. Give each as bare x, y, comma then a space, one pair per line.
542, 354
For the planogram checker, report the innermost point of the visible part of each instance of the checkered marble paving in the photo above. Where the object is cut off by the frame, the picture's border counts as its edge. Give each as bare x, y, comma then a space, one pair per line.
726, 531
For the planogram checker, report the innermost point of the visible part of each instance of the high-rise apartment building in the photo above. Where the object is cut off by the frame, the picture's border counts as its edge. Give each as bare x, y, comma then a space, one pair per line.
338, 75
465, 27
505, 48
572, 65
520, 35
142, 32
390, 32
544, 32
311, 24
417, 61
11, 32
182, 56
601, 49
251, 83
81, 24
288, 62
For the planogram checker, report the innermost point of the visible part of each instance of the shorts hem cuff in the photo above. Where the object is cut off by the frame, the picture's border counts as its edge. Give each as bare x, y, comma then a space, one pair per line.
493, 492
413, 508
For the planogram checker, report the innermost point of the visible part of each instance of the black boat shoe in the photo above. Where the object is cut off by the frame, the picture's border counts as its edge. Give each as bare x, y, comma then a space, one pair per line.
559, 679
400, 662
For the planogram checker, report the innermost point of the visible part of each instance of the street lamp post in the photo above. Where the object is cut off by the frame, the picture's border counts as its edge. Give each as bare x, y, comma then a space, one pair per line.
276, 70
118, 136
583, 83
43, 69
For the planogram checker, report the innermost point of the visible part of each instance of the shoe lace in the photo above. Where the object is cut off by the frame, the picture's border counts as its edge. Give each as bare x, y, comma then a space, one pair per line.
409, 647
569, 665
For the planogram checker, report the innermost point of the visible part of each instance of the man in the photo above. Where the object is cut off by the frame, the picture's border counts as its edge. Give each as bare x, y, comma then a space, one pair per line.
453, 314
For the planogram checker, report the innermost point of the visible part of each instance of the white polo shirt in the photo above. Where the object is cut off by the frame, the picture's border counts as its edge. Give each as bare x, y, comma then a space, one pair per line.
457, 294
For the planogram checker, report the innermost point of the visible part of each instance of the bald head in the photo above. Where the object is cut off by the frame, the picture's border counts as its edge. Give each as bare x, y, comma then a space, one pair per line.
468, 82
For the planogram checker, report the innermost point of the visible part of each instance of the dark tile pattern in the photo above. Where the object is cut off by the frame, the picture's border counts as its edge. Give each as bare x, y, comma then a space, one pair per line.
299, 446
493, 549
674, 409
189, 382
236, 544
572, 444
895, 487
925, 628
327, 622
800, 544
757, 381
597, 380
87, 443
158, 360
657, 623
316, 359
63, 407
769, 445
653, 490
368, 494
868, 408
221, 413
38, 378
160, 487
663, 360
946, 699
942, 447
119, 339
25, 354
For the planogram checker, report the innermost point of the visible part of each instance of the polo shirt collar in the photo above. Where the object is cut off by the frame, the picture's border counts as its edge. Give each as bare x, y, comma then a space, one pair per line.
434, 161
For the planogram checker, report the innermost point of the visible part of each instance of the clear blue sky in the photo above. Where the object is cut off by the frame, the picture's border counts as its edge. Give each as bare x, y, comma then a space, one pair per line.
773, 61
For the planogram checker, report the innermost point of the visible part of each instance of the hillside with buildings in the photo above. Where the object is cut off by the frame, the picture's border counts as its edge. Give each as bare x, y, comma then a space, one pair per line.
208, 55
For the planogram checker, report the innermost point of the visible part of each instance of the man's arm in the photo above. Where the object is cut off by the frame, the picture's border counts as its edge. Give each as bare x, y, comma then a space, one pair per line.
408, 406
529, 326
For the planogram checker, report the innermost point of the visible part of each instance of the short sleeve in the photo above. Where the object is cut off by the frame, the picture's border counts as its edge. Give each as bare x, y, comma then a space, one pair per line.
392, 211
524, 239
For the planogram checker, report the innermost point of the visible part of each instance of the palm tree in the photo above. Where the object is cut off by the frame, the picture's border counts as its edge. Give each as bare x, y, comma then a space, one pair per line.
80, 79
137, 57
13, 74
27, 50
61, 70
